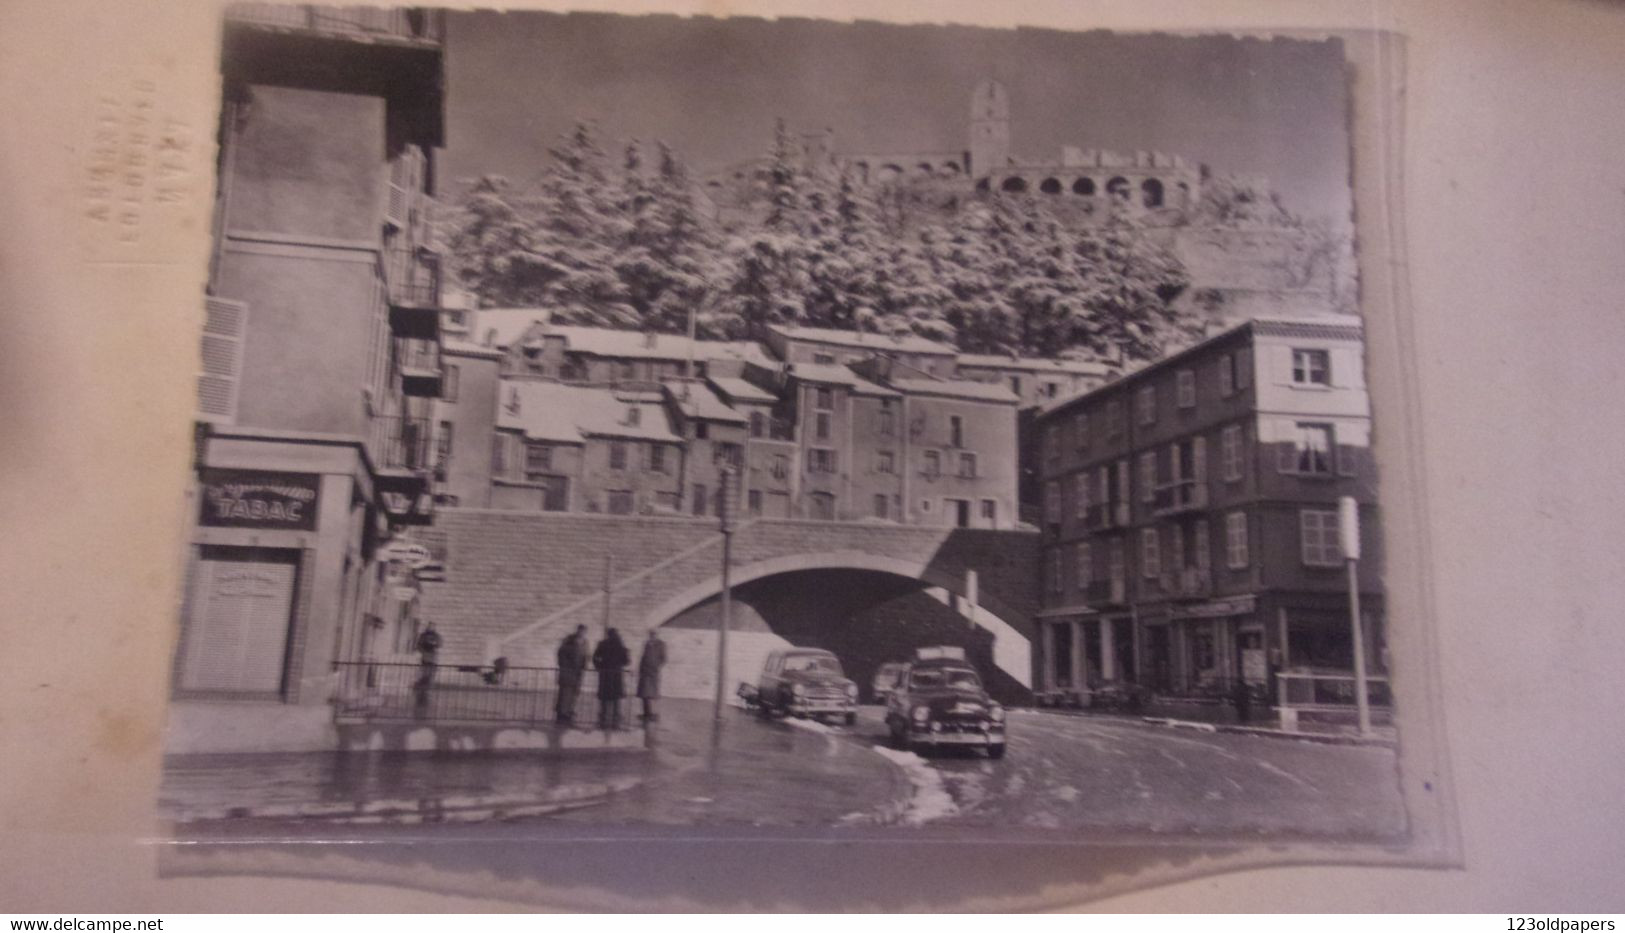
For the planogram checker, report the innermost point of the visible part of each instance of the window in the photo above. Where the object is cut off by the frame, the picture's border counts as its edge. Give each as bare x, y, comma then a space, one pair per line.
1244, 368
657, 458
1051, 389
820, 460
753, 501
1148, 476
956, 431
1145, 405
967, 466
499, 447
1186, 388
1052, 501
538, 459
824, 399
1052, 446
1310, 451
882, 504
699, 501
617, 455
1311, 367
1080, 495
758, 424
555, 493
885, 462
1317, 531
781, 466
448, 383
821, 426
634, 415
1015, 384
1150, 553
933, 464
1116, 562
1227, 375
620, 502
888, 419
702, 430
1230, 452
823, 506
1084, 570
725, 454
442, 452
990, 512
1235, 540
1080, 432
627, 371
825, 359
1114, 418
1056, 584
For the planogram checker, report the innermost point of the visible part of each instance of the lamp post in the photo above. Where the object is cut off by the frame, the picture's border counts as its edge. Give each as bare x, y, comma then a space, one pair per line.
728, 507
1348, 533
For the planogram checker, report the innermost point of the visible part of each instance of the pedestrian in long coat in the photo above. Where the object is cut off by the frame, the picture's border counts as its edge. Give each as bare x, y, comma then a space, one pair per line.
610, 659
572, 662
649, 665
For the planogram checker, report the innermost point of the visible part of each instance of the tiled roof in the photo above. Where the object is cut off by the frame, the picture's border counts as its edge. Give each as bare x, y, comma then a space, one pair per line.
551, 411
908, 343
741, 390
699, 401
957, 388
832, 374
1034, 364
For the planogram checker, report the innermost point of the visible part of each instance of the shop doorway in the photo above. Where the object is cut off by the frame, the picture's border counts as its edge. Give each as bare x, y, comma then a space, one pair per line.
240, 615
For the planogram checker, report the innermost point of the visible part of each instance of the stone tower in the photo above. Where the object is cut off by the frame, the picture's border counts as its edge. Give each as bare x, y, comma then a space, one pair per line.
989, 128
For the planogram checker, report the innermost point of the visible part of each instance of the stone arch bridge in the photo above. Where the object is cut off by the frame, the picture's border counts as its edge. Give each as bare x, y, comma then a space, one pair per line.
517, 582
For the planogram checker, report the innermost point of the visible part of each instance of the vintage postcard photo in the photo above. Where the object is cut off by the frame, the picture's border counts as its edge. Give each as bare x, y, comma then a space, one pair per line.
614, 423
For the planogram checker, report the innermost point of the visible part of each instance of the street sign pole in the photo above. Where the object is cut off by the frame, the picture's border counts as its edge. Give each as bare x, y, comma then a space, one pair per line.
728, 506
1348, 531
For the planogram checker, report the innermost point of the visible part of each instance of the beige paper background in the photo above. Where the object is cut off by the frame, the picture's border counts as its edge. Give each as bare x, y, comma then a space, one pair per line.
1515, 219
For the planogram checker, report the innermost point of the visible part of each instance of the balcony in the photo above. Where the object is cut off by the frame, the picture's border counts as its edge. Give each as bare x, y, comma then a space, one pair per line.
412, 280
403, 457
1110, 592
364, 24
419, 365
1182, 495
1188, 583
1107, 515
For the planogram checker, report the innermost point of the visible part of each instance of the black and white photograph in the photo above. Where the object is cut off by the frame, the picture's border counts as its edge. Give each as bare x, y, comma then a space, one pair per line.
780, 426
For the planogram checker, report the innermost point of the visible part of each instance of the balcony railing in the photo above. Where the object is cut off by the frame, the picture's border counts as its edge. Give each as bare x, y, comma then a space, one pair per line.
403, 443
412, 25
419, 365
413, 277
403, 692
1179, 496
1102, 516
1188, 583
1302, 690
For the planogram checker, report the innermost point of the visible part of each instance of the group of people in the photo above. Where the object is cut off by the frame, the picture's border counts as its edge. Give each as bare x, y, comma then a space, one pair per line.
610, 659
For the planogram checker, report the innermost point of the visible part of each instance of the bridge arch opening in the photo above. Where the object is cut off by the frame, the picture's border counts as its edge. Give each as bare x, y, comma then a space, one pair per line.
868, 612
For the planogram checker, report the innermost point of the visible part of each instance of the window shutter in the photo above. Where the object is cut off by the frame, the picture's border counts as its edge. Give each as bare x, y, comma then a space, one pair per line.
1244, 368
225, 324
1281, 365
1199, 459
1204, 544
1345, 365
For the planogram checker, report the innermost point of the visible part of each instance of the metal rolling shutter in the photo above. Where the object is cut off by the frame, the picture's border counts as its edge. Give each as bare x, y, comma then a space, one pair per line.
238, 635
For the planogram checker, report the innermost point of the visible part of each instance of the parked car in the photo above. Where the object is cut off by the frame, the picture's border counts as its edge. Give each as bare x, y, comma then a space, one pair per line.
806, 682
886, 679
940, 703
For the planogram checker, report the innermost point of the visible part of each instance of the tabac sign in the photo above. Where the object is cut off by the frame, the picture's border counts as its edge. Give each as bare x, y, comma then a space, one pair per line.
255, 499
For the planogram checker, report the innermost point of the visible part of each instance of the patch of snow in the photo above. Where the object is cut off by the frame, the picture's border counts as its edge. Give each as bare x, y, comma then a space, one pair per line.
811, 725
931, 800
1065, 792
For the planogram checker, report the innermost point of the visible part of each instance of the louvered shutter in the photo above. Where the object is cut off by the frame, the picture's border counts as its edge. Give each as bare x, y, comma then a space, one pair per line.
225, 324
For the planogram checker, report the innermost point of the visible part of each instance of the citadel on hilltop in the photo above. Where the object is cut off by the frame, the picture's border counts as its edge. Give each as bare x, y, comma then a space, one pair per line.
1238, 269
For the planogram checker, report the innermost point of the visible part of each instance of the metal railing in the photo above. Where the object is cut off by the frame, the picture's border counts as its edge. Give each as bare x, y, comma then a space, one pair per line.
413, 277
417, 355
377, 691
402, 443
1179, 496
1327, 692
370, 22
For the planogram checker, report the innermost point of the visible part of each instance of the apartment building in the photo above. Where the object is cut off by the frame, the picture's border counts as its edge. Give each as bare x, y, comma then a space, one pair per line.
1190, 514
1035, 381
321, 362
822, 346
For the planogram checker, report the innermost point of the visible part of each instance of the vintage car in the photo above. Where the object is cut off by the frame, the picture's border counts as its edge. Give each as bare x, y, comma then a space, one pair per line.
885, 680
940, 703
805, 682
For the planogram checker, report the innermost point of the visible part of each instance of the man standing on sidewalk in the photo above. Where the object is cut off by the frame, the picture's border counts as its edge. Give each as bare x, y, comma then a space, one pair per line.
428, 646
649, 665
572, 661
610, 658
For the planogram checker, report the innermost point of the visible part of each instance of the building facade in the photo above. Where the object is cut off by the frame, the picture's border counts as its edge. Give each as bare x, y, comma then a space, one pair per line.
321, 269
1190, 516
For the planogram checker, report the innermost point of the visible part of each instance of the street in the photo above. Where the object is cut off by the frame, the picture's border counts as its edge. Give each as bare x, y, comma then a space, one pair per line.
1077, 775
